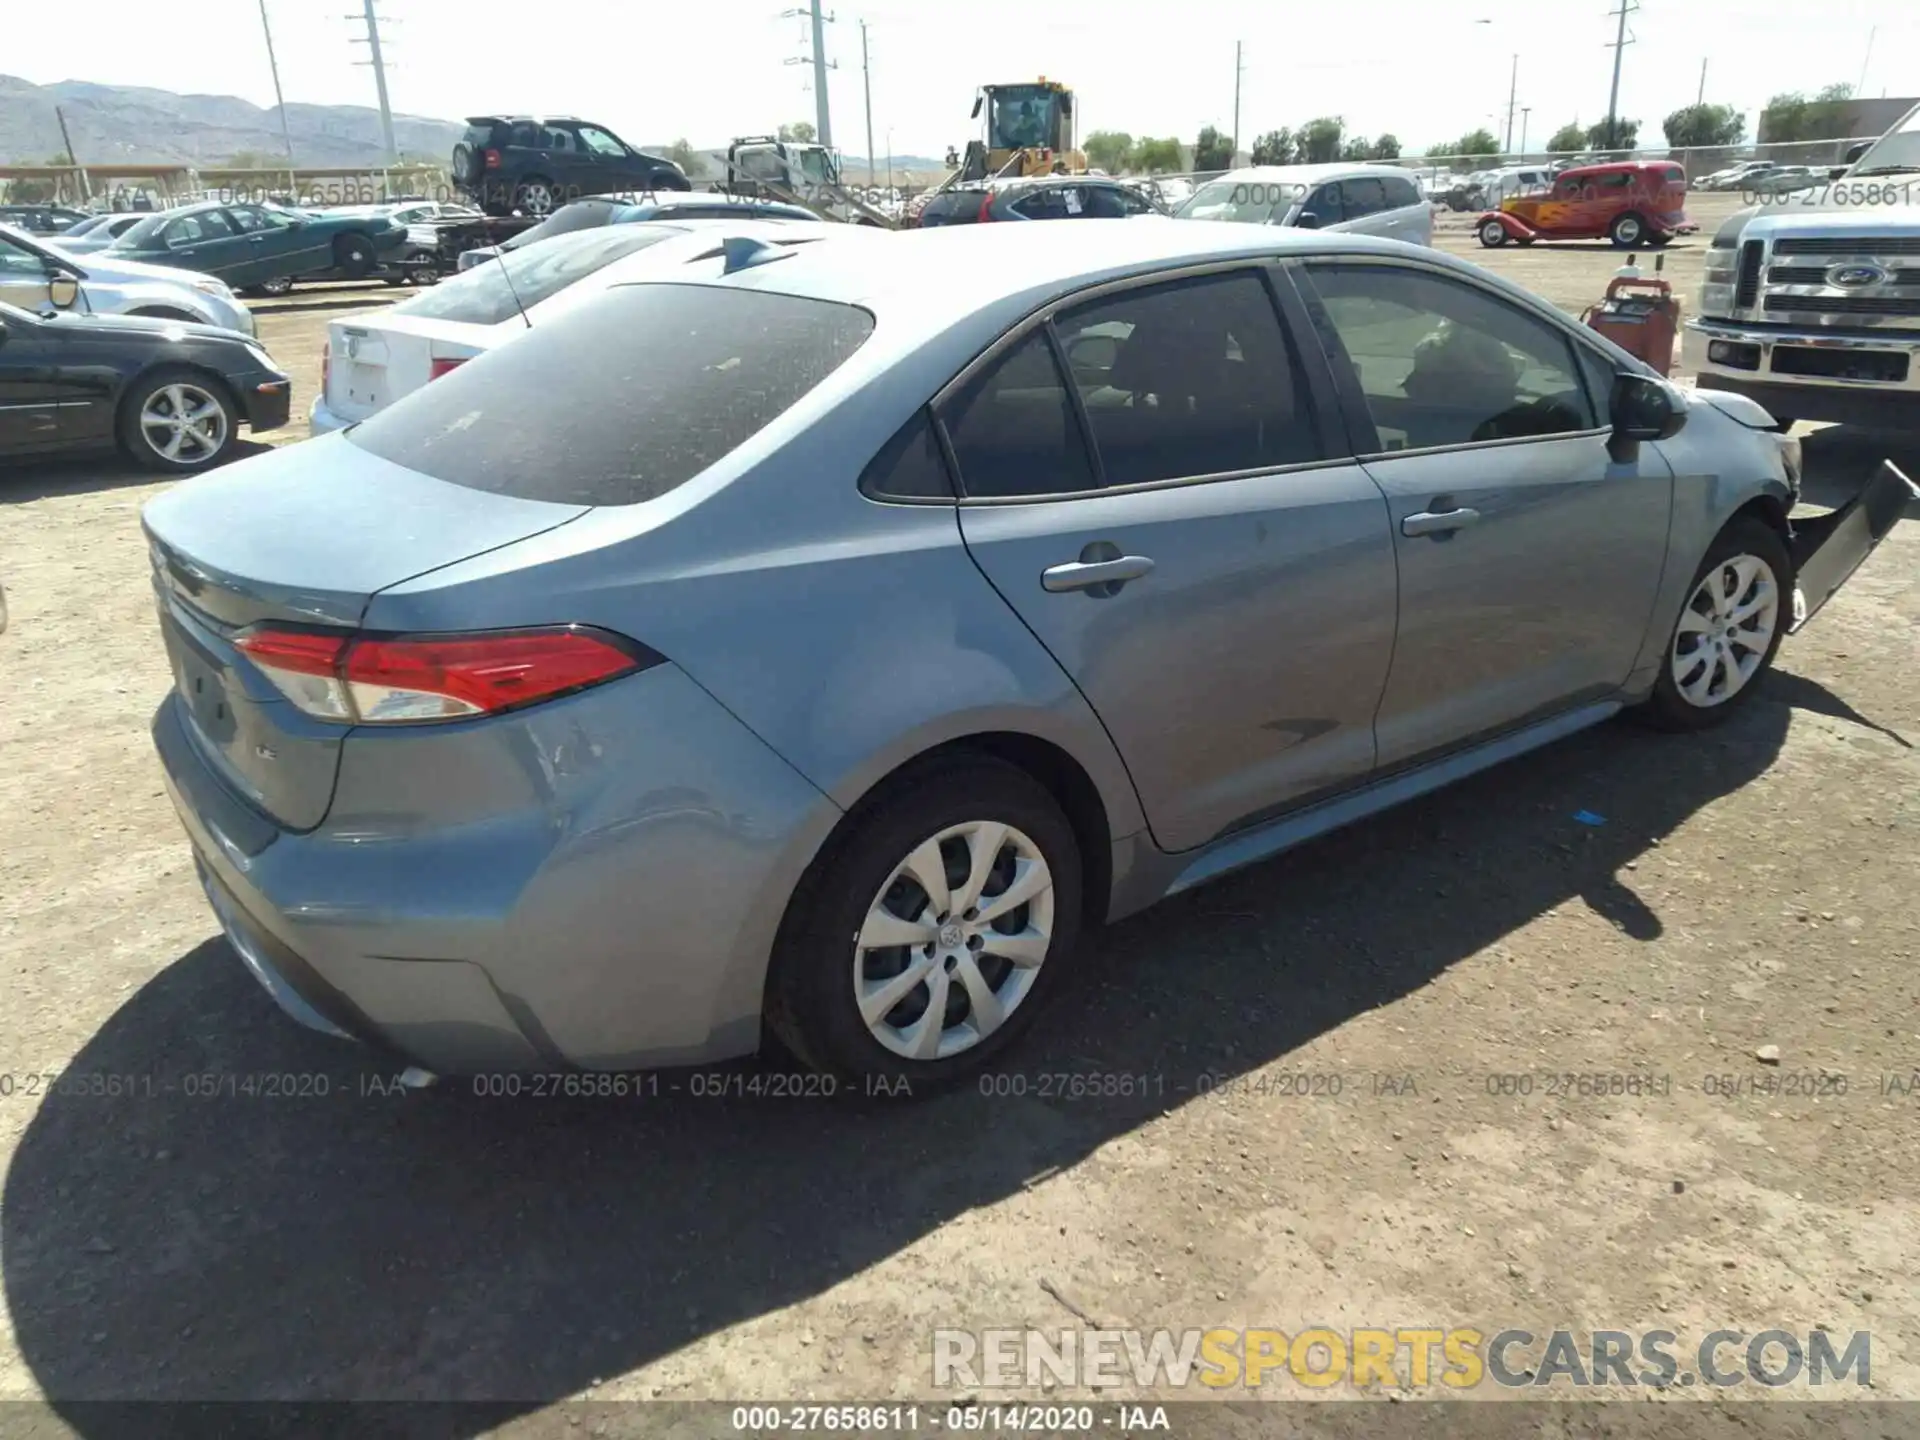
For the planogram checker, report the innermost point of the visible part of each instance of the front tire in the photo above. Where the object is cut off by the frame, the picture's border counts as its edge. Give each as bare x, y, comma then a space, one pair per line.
177, 420
932, 929
1493, 234
1736, 613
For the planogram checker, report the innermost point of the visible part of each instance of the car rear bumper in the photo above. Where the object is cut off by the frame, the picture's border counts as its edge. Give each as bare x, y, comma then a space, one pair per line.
593, 883
323, 421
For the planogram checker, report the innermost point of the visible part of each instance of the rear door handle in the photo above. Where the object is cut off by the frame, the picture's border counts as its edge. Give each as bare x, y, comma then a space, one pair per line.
1438, 522
1101, 576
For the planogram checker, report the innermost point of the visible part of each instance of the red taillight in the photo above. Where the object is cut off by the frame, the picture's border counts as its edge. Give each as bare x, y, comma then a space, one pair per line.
986, 204
403, 679
492, 159
437, 368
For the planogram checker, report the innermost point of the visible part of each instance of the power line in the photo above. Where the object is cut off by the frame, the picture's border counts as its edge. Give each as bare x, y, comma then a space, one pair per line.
823, 122
372, 41
1619, 47
1239, 69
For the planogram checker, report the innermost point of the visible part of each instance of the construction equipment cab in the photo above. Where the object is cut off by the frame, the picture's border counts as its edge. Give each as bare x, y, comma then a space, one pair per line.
1030, 130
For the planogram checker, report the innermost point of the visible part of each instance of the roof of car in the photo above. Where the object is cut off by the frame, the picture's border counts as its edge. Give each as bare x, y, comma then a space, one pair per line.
1309, 174
981, 265
1619, 167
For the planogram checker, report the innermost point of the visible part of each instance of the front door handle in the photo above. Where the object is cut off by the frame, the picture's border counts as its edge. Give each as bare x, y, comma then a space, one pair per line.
1438, 523
1101, 577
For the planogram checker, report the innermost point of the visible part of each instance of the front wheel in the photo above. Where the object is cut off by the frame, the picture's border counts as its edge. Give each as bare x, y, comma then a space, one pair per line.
178, 420
1493, 234
1728, 631
932, 930
353, 254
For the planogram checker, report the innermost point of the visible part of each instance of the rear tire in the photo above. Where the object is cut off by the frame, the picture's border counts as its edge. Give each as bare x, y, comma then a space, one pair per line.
1627, 231
279, 285
353, 256
965, 817
181, 410
1737, 610
535, 196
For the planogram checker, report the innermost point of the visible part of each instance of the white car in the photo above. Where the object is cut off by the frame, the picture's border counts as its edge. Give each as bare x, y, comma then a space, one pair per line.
375, 358
1360, 198
112, 286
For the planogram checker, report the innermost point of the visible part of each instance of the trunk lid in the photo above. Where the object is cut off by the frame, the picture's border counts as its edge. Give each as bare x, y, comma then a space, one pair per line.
373, 362
305, 535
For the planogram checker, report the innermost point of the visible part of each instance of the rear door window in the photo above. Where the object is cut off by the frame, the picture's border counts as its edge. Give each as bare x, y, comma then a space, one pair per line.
498, 289
642, 391
1190, 378
1400, 193
1013, 428
1324, 204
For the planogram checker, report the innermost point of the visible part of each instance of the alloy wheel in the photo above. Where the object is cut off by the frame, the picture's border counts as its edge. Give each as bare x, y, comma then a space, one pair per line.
954, 940
536, 199
183, 424
1725, 631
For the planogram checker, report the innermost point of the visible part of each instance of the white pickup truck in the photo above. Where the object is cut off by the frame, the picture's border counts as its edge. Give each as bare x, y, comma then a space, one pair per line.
1811, 304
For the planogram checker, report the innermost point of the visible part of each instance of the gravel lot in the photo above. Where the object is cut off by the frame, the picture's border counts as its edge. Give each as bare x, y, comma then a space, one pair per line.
1749, 888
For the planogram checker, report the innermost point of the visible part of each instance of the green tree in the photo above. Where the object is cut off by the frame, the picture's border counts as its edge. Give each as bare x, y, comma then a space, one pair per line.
1792, 116
1357, 147
1274, 148
1157, 157
1694, 127
800, 132
1212, 151
1473, 144
1567, 140
1621, 134
682, 153
1387, 147
1320, 140
1108, 150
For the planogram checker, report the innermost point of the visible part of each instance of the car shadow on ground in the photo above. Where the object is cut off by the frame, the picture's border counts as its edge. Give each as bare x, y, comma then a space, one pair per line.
191, 1240
86, 473
1840, 459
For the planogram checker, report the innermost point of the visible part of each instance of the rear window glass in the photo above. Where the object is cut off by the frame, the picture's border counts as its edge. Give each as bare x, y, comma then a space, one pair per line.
644, 389
580, 215
954, 208
485, 295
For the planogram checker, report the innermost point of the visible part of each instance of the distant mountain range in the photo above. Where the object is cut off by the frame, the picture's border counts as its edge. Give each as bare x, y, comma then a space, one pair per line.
111, 123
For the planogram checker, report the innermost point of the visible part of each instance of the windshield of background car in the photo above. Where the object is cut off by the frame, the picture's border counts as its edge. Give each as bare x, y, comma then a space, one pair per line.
1898, 149
500, 288
1254, 201
142, 234
642, 390
580, 215
816, 166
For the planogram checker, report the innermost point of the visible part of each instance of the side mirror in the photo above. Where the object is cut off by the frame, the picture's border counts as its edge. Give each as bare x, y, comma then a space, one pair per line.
978, 101
1854, 152
1307, 220
1642, 408
63, 290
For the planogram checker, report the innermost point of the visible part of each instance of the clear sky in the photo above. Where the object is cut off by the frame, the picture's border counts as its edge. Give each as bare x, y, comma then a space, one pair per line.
1422, 69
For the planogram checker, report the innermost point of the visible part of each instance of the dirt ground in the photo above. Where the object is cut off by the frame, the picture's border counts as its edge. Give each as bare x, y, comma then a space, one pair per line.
171, 1231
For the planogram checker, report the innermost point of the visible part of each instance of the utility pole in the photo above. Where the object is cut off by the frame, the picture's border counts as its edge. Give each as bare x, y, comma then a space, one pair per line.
375, 59
866, 86
1525, 111
1238, 67
286, 134
1513, 94
86, 187
1620, 43
1701, 98
823, 122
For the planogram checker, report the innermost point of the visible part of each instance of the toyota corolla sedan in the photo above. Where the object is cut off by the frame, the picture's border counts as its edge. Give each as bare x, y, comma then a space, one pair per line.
808, 647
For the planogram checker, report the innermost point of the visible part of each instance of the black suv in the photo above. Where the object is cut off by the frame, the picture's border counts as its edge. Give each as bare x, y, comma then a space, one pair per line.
534, 164
1047, 197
